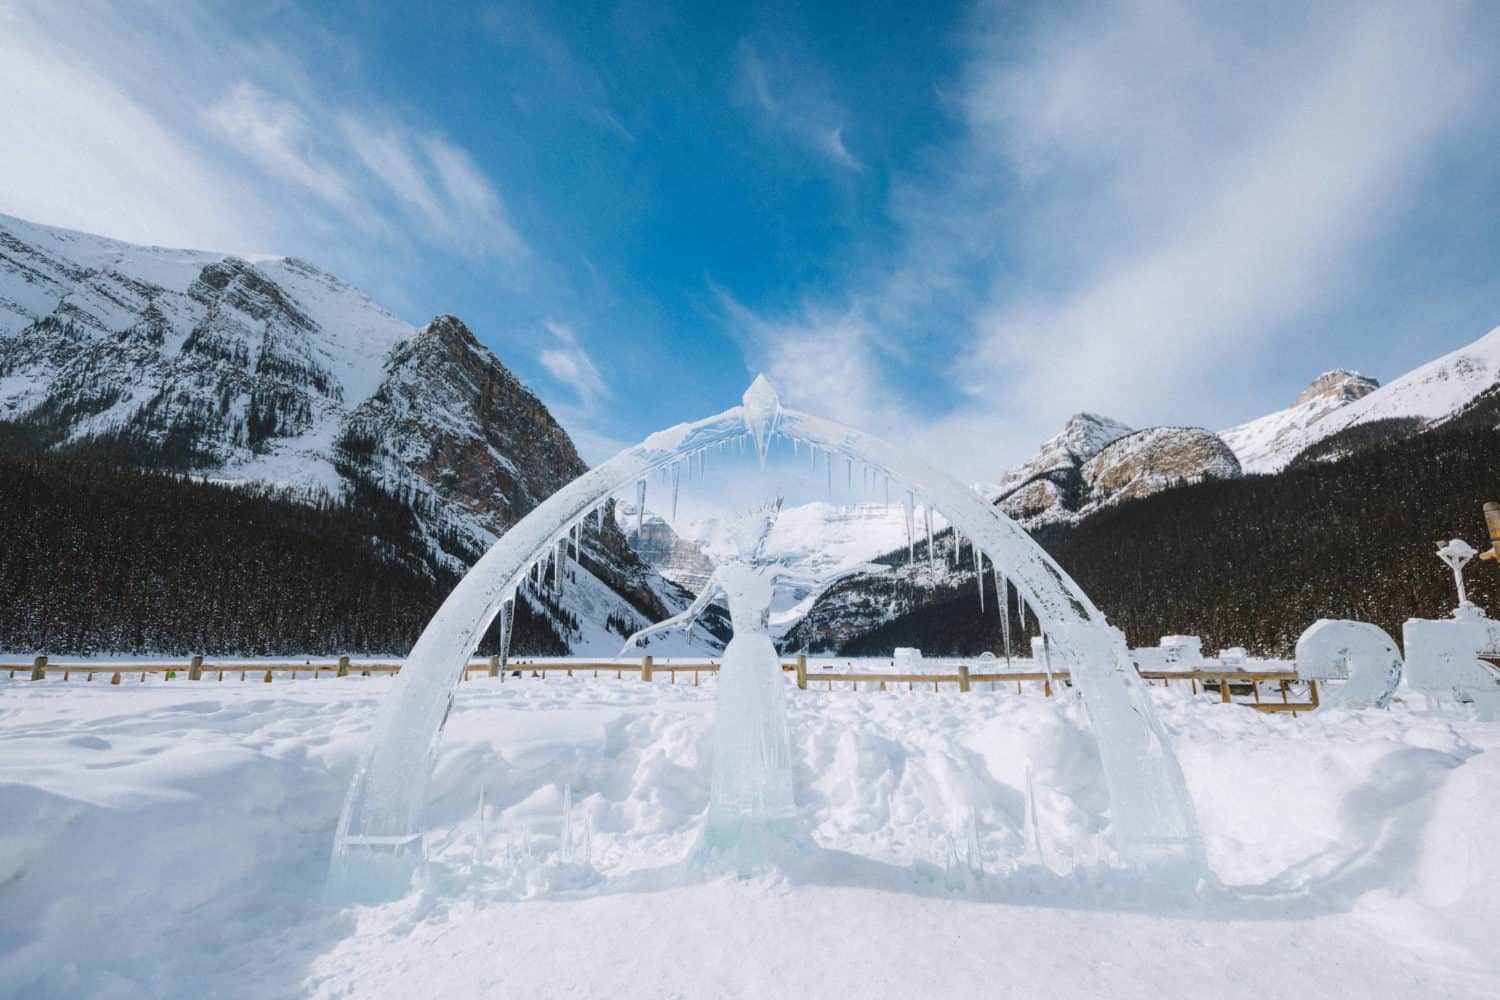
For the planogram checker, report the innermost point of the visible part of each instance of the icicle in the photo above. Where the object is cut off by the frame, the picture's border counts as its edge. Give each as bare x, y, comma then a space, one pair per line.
599, 517
829, 464
640, 507
1004, 586
887, 491
849, 475
507, 626
979, 575
1021, 608
559, 564
796, 448
911, 555
674, 492
567, 823
927, 520
812, 458
953, 551
575, 535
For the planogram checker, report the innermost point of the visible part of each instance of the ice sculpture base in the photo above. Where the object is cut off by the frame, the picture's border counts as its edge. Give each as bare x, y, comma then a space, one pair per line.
373, 872
749, 846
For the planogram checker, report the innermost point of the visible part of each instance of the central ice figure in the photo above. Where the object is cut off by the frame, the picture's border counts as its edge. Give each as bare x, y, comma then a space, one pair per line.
752, 810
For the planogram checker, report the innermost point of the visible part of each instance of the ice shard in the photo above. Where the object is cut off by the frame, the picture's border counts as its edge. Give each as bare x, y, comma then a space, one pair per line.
674, 491
1004, 587
927, 522
979, 575
640, 507
911, 555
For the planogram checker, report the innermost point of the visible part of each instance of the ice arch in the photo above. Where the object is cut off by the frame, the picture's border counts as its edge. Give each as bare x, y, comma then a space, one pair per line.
378, 842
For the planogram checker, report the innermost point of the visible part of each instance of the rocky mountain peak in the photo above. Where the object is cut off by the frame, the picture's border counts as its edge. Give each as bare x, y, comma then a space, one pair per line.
1339, 386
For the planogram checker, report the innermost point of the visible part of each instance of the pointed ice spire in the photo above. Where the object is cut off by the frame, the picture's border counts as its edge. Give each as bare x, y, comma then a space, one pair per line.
675, 474
640, 507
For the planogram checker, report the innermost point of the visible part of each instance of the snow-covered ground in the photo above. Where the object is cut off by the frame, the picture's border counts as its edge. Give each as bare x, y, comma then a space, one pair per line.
168, 839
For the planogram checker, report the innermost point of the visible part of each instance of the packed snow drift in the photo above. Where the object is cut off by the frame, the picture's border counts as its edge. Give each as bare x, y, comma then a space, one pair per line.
169, 839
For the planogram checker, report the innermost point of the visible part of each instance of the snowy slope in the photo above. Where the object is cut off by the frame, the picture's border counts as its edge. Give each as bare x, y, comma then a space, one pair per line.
1430, 395
169, 840
1267, 443
819, 539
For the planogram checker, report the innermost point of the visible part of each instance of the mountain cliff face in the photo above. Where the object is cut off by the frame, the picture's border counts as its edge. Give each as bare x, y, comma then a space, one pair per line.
1152, 460
1096, 461
663, 549
274, 372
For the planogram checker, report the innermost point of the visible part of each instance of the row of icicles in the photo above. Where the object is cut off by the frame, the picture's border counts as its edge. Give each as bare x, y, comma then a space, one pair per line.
552, 563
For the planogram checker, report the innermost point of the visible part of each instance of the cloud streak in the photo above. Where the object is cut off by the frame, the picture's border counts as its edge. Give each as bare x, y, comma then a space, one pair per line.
1144, 203
278, 168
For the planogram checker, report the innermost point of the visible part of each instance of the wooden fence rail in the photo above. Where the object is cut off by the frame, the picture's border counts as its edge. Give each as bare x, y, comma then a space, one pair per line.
1226, 682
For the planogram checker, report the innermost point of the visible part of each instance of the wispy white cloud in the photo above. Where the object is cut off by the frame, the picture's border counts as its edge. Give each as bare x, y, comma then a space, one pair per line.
1144, 202
793, 96
159, 126
567, 361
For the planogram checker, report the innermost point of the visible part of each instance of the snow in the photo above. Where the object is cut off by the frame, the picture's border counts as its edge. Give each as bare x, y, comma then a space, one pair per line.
168, 839
1433, 393
817, 539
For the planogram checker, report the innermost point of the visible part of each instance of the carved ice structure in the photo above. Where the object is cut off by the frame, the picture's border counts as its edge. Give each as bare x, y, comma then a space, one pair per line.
378, 843
1442, 660
1357, 653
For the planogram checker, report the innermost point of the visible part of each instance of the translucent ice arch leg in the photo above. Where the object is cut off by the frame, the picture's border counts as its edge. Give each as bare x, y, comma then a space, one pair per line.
378, 843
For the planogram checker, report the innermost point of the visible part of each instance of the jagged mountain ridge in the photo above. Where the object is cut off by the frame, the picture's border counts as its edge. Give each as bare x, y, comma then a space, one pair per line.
273, 371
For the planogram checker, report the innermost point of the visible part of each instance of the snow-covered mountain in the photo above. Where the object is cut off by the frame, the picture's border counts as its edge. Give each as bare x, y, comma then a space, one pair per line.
1095, 461
273, 371
1268, 443
818, 539
1344, 403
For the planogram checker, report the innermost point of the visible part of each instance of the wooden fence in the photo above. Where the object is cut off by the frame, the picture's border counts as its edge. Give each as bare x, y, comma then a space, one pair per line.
1227, 683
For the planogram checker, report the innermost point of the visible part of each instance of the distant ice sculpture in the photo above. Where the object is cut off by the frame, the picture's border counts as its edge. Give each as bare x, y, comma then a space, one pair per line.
752, 810
378, 843
1443, 660
1443, 656
1359, 654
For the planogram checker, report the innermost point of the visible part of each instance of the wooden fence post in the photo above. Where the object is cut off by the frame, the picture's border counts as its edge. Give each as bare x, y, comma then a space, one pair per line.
343, 666
494, 666
646, 668
268, 675
195, 669
963, 679
116, 678
801, 672
1224, 690
39, 669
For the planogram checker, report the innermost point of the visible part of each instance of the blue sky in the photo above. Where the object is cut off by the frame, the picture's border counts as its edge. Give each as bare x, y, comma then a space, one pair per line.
953, 224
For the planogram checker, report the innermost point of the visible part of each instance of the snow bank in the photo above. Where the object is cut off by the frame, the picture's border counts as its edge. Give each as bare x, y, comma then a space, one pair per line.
167, 840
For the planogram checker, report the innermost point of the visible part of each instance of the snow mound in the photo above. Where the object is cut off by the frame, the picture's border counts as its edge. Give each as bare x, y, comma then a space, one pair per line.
167, 839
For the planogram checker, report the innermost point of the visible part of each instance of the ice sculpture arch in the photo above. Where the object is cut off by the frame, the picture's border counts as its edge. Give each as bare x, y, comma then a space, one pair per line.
378, 841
